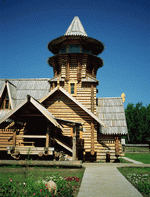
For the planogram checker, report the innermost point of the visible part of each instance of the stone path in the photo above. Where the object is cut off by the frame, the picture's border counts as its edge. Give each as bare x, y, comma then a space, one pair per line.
104, 180
131, 160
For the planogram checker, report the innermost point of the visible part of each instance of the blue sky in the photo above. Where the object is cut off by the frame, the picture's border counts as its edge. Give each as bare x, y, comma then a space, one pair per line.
122, 25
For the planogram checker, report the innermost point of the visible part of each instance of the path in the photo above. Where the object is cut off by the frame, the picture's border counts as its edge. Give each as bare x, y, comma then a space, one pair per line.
104, 180
131, 160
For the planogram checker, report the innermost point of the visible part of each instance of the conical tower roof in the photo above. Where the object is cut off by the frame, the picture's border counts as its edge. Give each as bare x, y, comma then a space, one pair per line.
76, 28
76, 34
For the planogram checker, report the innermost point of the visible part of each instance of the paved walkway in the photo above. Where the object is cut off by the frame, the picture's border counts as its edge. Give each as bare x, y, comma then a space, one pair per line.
131, 160
104, 180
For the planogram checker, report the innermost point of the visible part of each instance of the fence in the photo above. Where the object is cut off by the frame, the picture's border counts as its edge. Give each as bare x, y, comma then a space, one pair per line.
136, 148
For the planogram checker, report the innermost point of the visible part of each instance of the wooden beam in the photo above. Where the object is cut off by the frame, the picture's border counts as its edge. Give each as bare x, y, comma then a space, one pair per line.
92, 138
92, 98
47, 137
14, 138
63, 145
67, 67
31, 136
117, 147
74, 155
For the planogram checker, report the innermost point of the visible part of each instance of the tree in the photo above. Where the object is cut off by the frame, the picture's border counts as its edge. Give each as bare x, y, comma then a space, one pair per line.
138, 123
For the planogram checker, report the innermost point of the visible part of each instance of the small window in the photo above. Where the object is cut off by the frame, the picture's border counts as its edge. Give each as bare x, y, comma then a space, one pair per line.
72, 88
72, 85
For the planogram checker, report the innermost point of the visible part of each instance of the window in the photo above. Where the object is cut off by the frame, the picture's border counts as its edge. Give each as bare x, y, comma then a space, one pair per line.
74, 48
88, 51
72, 87
63, 50
6, 102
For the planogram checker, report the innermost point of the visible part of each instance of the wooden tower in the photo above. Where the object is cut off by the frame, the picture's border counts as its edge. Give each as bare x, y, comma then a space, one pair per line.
75, 63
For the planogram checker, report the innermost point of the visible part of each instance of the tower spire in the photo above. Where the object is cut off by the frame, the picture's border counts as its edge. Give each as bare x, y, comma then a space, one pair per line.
76, 28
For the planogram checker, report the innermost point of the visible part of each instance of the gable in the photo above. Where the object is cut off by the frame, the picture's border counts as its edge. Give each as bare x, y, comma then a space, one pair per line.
27, 109
64, 108
58, 88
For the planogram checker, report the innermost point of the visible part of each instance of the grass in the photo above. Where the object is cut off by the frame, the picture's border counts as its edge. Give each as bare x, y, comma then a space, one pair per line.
139, 177
22, 174
142, 157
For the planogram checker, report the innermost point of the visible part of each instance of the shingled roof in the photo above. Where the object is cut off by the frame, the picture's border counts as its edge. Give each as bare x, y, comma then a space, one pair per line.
76, 28
111, 112
18, 89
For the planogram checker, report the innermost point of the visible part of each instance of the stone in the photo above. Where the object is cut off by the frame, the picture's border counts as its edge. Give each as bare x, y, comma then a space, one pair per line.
51, 185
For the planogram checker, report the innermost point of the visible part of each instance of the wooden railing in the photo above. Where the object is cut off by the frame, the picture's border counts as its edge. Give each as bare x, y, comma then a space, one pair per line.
31, 136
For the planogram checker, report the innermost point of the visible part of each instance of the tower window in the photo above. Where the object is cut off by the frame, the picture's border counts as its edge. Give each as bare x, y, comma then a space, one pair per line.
72, 86
88, 51
74, 48
63, 50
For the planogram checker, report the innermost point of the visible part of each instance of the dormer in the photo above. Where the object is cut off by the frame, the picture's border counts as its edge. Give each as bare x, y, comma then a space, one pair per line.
7, 96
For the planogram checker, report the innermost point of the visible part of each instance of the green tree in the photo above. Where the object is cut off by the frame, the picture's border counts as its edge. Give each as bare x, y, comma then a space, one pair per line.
138, 122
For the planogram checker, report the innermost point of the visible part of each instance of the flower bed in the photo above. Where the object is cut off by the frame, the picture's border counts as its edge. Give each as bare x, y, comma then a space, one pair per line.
65, 187
141, 182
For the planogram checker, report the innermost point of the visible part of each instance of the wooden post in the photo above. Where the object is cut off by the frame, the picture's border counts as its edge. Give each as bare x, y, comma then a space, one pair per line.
117, 147
92, 138
74, 145
92, 98
47, 137
14, 137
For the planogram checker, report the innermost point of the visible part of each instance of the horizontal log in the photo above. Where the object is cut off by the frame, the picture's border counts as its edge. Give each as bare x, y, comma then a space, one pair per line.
30, 136
4, 145
44, 163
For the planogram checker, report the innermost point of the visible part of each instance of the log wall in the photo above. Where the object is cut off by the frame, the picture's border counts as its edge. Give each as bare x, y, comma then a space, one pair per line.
62, 107
85, 92
106, 143
6, 139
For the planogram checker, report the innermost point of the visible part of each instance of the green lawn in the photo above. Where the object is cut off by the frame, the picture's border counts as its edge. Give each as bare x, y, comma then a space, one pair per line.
21, 174
142, 157
139, 177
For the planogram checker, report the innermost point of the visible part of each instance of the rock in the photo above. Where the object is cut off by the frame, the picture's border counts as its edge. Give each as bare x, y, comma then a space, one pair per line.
51, 185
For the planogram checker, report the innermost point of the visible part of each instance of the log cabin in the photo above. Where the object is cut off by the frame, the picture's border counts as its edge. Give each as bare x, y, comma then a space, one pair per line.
46, 117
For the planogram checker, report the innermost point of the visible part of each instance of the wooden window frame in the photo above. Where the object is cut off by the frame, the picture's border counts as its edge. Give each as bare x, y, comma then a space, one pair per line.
75, 87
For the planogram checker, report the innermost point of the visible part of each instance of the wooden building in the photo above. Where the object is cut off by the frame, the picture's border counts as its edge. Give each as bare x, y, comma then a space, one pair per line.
48, 116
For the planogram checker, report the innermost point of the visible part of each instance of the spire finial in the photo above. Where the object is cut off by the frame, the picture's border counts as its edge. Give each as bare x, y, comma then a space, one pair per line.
76, 28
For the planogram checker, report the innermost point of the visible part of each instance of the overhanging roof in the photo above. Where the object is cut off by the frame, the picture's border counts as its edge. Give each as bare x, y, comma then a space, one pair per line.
37, 105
